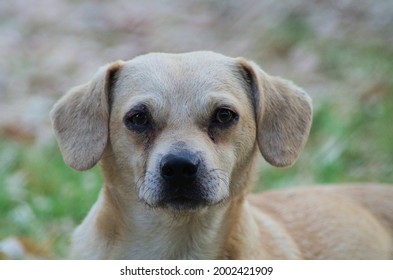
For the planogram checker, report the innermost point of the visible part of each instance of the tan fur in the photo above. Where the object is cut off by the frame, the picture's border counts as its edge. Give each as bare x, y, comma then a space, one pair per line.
181, 94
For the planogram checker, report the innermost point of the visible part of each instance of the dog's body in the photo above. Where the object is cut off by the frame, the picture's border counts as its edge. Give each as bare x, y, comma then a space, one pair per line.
178, 139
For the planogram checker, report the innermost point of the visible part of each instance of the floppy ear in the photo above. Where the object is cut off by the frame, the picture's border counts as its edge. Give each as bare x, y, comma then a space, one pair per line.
283, 115
80, 119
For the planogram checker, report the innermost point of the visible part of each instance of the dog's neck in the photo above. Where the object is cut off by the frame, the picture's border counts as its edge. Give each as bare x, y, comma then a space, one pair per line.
138, 231
179, 236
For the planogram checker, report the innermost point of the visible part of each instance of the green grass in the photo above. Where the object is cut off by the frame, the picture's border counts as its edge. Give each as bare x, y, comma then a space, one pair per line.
40, 197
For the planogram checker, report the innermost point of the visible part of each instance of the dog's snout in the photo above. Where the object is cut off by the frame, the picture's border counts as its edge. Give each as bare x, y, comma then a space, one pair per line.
179, 169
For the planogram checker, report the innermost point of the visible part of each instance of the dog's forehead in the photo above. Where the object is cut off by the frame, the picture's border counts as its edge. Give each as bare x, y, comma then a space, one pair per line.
180, 79
173, 74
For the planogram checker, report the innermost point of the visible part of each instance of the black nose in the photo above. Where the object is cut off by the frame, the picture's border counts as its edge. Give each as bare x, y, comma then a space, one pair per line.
179, 169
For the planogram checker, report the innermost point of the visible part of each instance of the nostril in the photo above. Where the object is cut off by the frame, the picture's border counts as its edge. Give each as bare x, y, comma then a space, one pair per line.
167, 170
190, 169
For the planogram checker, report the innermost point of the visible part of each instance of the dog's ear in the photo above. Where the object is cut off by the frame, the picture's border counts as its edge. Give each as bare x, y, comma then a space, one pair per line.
80, 119
283, 114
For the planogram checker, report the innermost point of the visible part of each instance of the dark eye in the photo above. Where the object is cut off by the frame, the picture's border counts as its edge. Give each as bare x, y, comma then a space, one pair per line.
224, 116
137, 121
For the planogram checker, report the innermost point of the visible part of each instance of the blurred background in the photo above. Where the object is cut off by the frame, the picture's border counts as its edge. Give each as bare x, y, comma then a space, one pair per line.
340, 52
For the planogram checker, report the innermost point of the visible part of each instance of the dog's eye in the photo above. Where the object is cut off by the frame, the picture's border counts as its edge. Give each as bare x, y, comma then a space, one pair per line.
137, 121
224, 116
222, 119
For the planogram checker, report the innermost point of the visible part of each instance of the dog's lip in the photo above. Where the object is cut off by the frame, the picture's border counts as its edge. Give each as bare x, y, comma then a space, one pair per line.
182, 199
181, 202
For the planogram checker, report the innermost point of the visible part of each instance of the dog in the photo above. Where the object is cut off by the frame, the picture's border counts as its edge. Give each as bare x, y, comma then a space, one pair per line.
178, 138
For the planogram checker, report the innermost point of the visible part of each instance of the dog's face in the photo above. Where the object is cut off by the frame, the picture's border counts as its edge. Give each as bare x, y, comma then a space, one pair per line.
186, 122
182, 129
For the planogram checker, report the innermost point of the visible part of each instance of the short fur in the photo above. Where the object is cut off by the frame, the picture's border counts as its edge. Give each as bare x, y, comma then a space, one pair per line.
181, 93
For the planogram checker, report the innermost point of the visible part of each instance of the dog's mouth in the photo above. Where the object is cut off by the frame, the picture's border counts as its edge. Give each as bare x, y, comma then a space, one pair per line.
184, 203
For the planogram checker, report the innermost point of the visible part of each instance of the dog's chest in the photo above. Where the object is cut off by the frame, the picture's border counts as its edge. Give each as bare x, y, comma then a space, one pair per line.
161, 247
157, 240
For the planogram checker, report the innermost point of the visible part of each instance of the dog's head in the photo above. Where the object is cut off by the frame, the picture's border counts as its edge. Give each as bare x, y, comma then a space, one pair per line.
183, 129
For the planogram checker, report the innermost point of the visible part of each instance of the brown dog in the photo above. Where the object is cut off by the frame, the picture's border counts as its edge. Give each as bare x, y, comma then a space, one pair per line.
178, 138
